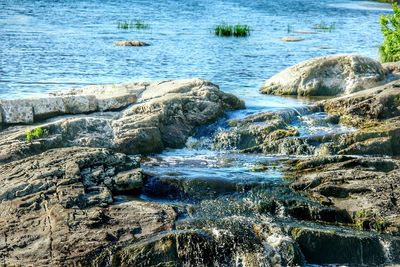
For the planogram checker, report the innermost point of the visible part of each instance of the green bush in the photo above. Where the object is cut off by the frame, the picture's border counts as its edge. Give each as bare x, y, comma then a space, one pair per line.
35, 134
390, 25
238, 30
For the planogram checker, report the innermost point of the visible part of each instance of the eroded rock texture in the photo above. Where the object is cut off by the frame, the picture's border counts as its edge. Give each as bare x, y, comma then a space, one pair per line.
59, 207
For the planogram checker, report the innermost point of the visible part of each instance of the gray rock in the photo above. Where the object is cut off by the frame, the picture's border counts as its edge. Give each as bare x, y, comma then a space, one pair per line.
326, 76
131, 43
165, 115
16, 111
316, 245
292, 39
77, 104
128, 181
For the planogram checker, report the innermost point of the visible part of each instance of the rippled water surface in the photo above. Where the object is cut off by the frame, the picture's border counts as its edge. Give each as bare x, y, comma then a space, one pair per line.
46, 45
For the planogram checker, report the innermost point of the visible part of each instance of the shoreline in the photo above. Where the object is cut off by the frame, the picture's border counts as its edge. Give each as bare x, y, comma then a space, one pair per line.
85, 178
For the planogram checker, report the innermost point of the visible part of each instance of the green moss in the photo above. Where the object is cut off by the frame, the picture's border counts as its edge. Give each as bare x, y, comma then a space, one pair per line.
368, 220
296, 231
282, 133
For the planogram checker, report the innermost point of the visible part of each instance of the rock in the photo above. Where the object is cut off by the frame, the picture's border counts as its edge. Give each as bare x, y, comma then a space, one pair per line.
165, 115
57, 208
75, 101
16, 111
131, 43
266, 132
365, 188
376, 103
292, 39
317, 244
128, 181
391, 67
376, 112
326, 76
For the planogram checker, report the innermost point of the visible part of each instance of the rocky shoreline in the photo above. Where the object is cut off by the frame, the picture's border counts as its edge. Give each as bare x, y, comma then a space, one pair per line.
70, 194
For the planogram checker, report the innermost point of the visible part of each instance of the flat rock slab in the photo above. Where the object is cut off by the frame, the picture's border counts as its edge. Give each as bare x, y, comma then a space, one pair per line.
85, 100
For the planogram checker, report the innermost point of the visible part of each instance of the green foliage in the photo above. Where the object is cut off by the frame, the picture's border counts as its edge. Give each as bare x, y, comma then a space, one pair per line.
137, 24
238, 30
36, 133
368, 220
325, 27
390, 26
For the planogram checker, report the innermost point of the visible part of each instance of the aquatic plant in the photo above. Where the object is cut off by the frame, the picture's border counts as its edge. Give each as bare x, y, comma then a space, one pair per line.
325, 27
136, 24
289, 28
35, 134
390, 26
238, 30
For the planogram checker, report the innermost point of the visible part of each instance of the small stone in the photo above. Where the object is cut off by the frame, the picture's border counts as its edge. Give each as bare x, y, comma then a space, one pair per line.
292, 39
131, 43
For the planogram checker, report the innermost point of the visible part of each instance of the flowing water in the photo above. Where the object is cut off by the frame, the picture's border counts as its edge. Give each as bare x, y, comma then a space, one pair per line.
48, 45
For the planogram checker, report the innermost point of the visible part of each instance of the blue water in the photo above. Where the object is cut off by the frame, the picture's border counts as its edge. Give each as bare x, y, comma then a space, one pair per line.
47, 45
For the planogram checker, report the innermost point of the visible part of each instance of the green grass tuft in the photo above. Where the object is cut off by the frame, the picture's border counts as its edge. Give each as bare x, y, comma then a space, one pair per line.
136, 24
35, 134
325, 27
238, 30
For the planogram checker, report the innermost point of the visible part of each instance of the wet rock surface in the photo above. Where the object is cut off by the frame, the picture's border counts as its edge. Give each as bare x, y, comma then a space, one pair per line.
349, 179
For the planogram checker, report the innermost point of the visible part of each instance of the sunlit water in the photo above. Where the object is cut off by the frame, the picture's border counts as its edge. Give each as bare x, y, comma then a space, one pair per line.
46, 45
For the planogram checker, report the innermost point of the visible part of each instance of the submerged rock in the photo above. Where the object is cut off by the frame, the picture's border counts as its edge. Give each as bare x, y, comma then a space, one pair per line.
326, 76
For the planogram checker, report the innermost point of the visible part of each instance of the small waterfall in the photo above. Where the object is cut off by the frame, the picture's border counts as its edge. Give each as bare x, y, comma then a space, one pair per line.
386, 246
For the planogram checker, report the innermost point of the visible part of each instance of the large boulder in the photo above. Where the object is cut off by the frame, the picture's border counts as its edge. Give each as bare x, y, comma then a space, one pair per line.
326, 76
164, 114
